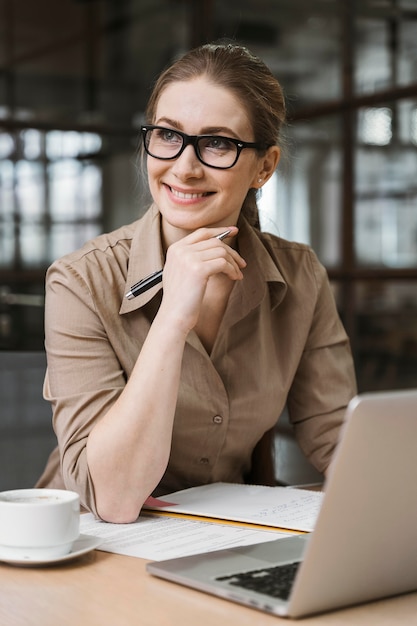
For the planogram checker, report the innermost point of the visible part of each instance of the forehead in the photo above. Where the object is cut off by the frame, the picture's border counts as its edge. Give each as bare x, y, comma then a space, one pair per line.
200, 103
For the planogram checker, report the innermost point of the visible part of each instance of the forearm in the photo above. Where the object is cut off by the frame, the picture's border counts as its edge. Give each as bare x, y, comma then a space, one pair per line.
128, 450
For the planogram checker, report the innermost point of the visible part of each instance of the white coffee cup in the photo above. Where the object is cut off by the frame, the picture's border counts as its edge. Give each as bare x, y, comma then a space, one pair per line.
38, 523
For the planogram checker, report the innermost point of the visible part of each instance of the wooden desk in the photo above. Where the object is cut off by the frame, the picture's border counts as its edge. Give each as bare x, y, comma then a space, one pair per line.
103, 589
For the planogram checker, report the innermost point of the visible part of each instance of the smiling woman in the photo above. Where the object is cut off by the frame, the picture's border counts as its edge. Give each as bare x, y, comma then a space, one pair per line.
183, 384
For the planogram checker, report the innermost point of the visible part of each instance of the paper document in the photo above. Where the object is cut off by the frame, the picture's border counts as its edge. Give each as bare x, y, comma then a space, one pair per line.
279, 507
158, 538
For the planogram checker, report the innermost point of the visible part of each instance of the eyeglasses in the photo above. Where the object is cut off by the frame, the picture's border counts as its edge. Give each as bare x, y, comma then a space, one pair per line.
212, 150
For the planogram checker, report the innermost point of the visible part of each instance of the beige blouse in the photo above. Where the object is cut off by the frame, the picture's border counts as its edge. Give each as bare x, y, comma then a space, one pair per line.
280, 342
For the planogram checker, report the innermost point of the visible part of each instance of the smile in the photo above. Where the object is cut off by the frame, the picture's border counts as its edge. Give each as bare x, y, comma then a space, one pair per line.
187, 196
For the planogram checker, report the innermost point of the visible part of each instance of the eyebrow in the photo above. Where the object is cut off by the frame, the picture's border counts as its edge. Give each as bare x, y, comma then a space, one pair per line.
208, 130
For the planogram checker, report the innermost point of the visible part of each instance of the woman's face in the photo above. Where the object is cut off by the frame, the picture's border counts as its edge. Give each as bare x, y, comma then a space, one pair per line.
188, 193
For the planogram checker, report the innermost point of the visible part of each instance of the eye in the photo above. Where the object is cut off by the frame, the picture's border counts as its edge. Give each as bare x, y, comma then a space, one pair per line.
218, 144
167, 135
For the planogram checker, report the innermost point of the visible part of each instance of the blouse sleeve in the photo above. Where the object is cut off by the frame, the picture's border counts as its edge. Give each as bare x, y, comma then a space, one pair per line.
84, 376
325, 378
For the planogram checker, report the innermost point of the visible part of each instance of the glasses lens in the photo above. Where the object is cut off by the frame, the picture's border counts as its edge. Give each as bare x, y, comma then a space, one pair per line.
163, 143
217, 151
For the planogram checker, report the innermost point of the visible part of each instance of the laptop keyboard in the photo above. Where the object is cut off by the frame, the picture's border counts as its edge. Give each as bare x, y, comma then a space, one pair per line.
273, 581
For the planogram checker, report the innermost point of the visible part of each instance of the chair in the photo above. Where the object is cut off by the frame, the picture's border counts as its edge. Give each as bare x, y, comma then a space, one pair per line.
291, 466
26, 435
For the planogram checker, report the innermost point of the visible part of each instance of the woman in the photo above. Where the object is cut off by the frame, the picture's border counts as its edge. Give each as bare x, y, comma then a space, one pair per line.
182, 384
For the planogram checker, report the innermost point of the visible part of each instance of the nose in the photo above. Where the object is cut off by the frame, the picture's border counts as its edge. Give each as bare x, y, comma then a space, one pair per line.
187, 165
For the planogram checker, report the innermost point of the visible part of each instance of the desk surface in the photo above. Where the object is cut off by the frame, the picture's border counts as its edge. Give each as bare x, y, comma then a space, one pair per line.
103, 589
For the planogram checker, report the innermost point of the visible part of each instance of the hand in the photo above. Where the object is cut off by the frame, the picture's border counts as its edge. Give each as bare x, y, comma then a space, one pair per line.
190, 263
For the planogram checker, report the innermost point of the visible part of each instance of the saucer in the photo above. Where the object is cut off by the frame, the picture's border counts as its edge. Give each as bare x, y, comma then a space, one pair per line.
82, 545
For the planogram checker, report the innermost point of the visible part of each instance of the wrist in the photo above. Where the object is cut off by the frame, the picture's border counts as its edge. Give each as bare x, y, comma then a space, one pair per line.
171, 326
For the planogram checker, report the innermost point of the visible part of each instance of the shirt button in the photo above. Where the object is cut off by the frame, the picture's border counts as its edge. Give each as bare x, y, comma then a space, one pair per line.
204, 460
217, 419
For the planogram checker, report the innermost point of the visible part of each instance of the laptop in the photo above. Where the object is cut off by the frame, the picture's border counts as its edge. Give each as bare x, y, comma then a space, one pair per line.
364, 545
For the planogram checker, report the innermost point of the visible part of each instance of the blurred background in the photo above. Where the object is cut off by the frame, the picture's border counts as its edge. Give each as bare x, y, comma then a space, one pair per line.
75, 76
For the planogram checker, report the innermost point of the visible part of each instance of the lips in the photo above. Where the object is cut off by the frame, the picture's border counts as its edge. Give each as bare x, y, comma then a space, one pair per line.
187, 196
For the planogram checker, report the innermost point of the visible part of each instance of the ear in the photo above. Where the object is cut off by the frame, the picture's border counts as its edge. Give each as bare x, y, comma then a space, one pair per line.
267, 166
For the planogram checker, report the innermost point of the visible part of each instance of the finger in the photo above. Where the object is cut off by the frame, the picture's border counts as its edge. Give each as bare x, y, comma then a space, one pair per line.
214, 243
227, 266
202, 234
222, 259
221, 247
223, 251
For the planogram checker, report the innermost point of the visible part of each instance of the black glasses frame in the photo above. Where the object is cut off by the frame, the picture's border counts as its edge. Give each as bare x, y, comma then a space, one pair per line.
193, 141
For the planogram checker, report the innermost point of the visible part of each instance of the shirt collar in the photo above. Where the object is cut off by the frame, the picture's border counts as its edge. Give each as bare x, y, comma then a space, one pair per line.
146, 256
261, 269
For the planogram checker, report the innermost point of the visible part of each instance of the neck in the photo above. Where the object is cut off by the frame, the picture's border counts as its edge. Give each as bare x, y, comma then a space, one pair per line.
170, 235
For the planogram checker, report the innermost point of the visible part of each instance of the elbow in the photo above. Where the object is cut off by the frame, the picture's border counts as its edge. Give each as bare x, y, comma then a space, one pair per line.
118, 518
116, 512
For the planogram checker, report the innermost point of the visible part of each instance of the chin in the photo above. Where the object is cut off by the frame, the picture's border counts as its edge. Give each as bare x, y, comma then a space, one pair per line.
186, 220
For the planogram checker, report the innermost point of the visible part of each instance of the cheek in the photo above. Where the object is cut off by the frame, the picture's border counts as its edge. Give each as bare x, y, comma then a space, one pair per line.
241, 183
154, 172
151, 168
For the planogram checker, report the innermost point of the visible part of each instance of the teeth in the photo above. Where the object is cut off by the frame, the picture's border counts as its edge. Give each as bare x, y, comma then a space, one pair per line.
187, 196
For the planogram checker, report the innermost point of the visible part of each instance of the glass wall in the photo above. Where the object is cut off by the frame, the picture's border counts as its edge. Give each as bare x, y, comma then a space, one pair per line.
302, 201
50, 194
386, 189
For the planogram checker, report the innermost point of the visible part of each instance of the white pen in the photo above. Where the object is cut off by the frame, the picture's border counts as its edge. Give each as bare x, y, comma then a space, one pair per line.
153, 279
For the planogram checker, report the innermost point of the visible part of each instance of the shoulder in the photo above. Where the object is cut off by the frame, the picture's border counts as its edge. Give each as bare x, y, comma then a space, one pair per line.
292, 258
105, 244
104, 258
117, 242
283, 247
